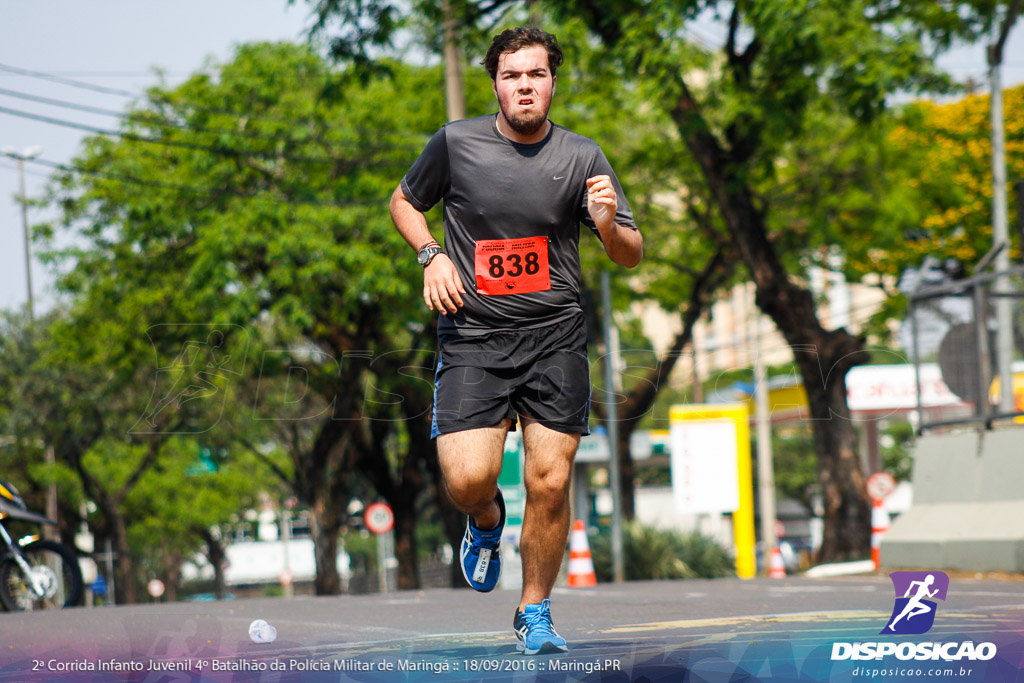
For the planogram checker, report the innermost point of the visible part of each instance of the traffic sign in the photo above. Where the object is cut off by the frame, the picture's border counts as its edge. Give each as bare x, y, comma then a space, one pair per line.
379, 518
880, 485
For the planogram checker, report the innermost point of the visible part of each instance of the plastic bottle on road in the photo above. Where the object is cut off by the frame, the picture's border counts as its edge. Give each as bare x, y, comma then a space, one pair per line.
262, 632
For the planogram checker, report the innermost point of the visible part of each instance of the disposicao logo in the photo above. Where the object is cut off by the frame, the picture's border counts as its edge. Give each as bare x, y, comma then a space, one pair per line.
913, 614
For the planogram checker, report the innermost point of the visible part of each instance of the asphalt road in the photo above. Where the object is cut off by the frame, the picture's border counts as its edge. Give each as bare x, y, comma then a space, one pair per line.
722, 630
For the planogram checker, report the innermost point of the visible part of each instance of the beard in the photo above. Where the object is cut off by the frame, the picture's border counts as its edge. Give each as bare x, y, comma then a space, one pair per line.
527, 123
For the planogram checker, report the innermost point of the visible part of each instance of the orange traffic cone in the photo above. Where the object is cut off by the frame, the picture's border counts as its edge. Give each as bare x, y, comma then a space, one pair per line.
581, 564
776, 567
879, 525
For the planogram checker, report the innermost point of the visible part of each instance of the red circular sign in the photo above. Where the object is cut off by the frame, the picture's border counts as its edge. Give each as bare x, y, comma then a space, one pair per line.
880, 485
379, 518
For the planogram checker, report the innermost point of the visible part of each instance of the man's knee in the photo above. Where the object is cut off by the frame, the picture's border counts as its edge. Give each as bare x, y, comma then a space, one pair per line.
470, 469
469, 490
549, 487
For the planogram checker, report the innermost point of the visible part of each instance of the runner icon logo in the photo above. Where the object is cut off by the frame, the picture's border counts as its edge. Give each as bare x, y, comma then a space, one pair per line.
914, 613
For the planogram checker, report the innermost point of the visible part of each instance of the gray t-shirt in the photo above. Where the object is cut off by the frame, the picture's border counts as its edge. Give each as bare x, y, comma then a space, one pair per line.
511, 219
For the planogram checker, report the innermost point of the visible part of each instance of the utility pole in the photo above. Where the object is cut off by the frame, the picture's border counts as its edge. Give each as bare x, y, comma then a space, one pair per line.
765, 467
31, 153
1000, 220
612, 422
698, 388
1019, 187
20, 157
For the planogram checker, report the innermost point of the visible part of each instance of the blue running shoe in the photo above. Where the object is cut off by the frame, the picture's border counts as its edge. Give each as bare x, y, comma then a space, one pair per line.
535, 630
481, 563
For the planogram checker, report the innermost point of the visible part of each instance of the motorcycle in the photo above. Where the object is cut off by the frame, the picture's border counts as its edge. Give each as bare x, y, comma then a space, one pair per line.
34, 574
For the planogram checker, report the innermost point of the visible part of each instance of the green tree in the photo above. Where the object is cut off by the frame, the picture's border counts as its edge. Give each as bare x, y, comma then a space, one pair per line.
176, 504
247, 201
57, 392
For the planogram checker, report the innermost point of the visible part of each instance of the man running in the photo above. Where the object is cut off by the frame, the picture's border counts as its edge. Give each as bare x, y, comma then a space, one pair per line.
512, 337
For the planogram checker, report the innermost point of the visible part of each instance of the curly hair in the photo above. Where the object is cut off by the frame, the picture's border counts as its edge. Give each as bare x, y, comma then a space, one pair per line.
514, 40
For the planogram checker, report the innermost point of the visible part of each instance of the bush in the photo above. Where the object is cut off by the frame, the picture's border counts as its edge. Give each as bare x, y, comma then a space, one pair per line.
651, 553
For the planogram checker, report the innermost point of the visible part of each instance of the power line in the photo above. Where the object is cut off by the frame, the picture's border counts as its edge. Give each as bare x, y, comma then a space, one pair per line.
122, 116
222, 151
157, 97
114, 74
203, 191
61, 103
67, 81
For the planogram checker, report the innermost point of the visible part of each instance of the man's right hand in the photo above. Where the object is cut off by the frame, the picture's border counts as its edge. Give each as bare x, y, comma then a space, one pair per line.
442, 286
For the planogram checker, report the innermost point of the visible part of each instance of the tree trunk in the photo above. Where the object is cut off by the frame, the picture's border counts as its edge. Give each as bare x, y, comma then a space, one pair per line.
405, 542
414, 465
172, 576
847, 511
325, 526
322, 478
455, 93
216, 555
126, 585
823, 357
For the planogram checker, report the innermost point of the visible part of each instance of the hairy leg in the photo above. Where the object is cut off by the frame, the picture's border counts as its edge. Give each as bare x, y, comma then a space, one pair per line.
549, 456
471, 463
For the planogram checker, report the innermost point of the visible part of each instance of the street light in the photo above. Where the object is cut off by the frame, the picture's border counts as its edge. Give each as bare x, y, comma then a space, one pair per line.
27, 153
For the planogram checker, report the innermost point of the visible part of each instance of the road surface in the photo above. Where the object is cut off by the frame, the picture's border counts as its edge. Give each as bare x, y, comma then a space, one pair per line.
722, 630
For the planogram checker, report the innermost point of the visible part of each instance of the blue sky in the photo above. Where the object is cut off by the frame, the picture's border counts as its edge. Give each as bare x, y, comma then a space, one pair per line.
118, 44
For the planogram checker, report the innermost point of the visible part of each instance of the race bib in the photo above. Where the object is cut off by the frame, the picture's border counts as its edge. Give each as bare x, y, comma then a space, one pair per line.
515, 266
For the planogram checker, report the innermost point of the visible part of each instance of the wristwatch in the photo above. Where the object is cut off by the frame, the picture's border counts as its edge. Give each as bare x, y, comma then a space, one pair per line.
427, 254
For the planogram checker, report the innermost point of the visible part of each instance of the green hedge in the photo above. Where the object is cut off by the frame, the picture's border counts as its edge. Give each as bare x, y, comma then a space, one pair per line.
662, 554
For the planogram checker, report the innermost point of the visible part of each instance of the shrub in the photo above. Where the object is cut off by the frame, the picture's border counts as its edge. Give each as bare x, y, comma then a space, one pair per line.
651, 553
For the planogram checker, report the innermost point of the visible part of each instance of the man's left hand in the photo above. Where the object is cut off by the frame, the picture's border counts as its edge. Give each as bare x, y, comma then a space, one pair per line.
602, 202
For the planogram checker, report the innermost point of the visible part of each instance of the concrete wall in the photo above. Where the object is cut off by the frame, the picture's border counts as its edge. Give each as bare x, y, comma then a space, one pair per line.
968, 510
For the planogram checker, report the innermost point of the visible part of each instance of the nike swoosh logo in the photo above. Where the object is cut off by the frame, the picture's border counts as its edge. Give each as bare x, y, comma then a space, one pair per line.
558, 177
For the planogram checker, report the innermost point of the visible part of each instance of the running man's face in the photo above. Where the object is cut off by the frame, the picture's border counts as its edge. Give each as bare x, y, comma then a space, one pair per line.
524, 86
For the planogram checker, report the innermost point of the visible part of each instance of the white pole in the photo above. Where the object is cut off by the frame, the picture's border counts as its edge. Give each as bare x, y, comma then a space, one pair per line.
612, 423
286, 537
765, 469
1000, 234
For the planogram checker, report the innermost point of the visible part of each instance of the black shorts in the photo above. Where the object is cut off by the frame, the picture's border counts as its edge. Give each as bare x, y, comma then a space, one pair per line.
542, 373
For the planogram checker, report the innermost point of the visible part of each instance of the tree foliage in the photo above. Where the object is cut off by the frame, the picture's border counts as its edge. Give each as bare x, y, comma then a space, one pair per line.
947, 154
234, 235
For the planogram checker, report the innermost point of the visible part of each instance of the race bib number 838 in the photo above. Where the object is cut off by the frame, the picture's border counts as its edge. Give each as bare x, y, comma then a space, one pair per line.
514, 266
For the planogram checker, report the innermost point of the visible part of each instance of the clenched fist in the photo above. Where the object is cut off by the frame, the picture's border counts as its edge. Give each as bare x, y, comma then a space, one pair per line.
602, 202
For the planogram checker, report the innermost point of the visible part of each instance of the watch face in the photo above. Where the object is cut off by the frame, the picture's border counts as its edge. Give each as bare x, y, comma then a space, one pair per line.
425, 255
